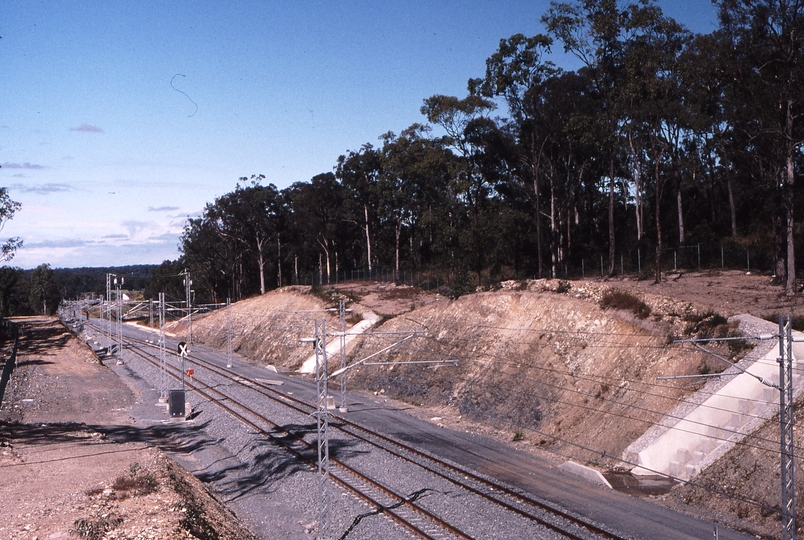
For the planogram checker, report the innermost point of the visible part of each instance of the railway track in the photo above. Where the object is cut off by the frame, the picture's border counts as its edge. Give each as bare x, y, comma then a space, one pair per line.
407, 510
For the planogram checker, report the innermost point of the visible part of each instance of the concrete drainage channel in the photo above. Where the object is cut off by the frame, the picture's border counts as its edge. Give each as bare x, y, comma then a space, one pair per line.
723, 412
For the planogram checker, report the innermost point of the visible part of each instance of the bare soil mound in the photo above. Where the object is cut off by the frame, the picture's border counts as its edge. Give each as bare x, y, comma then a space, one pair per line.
552, 367
265, 329
567, 369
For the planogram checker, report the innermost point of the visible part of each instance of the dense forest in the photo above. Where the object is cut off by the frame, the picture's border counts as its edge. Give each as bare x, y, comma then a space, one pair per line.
663, 141
40, 290
664, 149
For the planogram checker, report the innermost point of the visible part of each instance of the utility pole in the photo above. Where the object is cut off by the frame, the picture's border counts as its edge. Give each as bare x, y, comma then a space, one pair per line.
187, 284
228, 333
322, 377
785, 360
163, 394
342, 343
119, 301
108, 307
322, 422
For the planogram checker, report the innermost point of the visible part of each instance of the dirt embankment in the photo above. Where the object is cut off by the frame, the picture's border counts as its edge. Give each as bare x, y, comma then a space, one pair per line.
542, 365
265, 329
550, 367
540, 360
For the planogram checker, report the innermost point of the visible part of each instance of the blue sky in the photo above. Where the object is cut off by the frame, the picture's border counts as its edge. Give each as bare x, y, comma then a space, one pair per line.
118, 120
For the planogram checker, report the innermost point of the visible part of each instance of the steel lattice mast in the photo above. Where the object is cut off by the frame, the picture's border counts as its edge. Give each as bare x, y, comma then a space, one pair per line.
162, 368
322, 417
786, 426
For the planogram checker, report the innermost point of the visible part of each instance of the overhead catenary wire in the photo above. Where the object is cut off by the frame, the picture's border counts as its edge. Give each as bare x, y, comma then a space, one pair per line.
662, 414
632, 418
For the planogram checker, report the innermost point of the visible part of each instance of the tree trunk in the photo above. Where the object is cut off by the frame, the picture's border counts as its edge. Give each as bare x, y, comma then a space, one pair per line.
278, 261
658, 153
612, 252
681, 237
368, 238
397, 234
637, 187
779, 246
790, 283
261, 264
553, 231
536, 159
732, 207
324, 243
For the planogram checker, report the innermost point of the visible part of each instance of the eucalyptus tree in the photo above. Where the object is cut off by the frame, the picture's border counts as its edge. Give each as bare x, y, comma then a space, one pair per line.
317, 213
359, 172
458, 117
413, 190
711, 118
215, 259
596, 32
250, 215
653, 84
517, 72
766, 38
563, 112
43, 290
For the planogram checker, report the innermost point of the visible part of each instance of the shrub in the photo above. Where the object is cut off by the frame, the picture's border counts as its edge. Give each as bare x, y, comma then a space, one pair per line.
95, 529
708, 325
462, 284
616, 299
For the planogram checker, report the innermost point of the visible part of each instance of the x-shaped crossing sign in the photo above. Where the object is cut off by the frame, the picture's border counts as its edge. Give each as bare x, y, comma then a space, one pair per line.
183, 349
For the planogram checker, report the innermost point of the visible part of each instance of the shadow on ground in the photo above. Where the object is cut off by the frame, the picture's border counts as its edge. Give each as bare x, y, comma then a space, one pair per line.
255, 468
42, 338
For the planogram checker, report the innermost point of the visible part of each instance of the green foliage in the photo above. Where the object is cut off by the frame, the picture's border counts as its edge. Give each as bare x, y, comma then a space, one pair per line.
617, 299
707, 325
8, 208
165, 279
461, 285
44, 296
657, 128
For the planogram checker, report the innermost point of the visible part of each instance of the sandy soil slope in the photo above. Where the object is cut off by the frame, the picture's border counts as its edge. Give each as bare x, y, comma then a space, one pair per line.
541, 365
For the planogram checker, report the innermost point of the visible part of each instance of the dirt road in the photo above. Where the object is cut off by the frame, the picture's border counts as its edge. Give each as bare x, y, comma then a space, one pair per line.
64, 477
